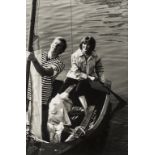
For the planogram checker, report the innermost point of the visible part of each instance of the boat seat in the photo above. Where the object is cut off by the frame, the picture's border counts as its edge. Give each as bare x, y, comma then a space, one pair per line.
87, 118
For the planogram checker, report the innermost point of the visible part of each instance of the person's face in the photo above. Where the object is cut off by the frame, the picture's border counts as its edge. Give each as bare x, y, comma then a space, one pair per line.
56, 48
86, 48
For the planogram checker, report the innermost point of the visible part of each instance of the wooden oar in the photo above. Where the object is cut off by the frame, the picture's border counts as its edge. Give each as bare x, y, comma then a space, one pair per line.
117, 96
102, 87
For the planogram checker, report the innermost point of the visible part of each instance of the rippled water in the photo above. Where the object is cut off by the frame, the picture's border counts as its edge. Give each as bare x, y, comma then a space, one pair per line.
106, 20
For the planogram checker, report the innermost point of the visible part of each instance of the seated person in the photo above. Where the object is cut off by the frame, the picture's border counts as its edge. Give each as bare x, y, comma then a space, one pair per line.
85, 65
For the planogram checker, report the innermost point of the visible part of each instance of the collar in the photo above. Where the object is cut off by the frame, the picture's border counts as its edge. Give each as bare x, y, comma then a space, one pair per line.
82, 54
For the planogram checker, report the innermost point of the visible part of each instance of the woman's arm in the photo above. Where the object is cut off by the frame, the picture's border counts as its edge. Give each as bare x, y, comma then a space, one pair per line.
40, 69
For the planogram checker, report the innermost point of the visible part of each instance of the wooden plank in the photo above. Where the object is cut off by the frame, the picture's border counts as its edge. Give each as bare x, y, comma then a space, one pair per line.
87, 117
80, 130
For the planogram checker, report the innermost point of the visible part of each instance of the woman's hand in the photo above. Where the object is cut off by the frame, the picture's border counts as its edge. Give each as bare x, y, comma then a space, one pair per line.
31, 57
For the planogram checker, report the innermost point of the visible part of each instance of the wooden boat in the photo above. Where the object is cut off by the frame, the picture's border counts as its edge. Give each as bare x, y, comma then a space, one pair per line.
84, 127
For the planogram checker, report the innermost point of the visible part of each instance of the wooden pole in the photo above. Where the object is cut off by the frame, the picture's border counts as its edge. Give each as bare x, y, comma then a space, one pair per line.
31, 37
36, 104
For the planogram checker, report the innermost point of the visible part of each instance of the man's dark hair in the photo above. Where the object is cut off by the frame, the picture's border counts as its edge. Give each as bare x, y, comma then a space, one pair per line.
88, 40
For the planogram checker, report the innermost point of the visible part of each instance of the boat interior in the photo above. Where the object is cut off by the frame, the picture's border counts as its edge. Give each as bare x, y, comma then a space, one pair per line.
81, 124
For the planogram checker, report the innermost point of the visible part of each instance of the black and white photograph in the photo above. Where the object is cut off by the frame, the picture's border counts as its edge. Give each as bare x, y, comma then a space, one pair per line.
76, 77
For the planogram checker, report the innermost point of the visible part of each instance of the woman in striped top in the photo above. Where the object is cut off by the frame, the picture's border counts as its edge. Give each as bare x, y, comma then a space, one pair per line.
51, 65
49, 68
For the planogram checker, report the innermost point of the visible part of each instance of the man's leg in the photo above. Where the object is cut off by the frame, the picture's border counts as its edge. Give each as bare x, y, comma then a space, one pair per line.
83, 102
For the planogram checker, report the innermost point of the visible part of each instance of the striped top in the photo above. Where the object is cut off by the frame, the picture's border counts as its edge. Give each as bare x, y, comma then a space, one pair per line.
47, 81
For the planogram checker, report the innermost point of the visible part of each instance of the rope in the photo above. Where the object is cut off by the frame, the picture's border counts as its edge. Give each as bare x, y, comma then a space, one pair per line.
71, 25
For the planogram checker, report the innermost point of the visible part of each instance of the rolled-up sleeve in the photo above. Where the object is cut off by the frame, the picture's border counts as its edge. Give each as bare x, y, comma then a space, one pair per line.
58, 67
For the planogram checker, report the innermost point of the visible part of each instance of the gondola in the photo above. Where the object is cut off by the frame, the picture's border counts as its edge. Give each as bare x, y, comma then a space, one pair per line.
85, 128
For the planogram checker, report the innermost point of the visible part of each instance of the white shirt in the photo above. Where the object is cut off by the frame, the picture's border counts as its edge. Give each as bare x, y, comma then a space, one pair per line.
81, 67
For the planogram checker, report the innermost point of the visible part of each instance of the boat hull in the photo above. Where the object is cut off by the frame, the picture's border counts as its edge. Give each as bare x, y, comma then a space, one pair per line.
102, 109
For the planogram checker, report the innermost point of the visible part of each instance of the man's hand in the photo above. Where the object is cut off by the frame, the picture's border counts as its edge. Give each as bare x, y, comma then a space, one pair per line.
92, 78
105, 84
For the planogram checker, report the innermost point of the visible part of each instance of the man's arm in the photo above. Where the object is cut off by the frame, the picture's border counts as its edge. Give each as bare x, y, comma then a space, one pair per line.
40, 69
100, 70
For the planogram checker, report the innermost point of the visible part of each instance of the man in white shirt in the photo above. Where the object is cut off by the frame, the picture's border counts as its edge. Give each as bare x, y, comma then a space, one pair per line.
85, 65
